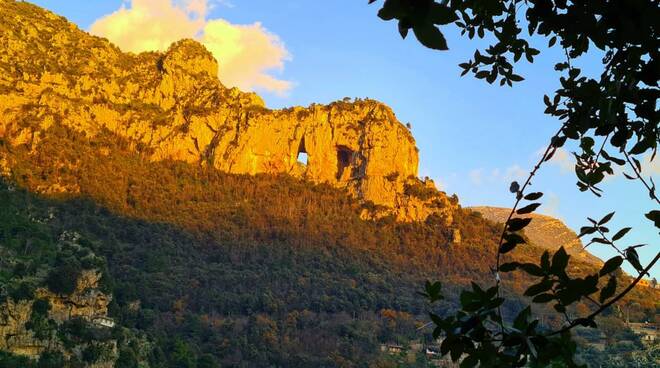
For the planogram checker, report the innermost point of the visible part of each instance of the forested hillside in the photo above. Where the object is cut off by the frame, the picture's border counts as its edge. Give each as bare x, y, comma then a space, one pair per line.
149, 216
248, 270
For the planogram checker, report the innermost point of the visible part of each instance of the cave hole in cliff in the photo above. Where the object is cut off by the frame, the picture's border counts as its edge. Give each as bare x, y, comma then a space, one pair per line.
344, 156
302, 153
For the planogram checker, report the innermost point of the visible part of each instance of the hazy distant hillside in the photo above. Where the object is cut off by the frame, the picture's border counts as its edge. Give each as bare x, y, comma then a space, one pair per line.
544, 231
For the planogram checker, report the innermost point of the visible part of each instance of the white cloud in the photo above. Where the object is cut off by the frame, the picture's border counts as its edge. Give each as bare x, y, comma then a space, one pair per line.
247, 54
515, 172
562, 159
566, 163
480, 176
551, 205
476, 176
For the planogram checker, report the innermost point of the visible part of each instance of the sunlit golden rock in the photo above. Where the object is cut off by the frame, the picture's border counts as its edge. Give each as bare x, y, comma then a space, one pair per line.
86, 302
171, 105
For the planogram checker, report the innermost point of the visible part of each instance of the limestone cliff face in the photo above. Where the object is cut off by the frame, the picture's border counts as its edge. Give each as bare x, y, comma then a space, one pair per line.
86, 302
172, 106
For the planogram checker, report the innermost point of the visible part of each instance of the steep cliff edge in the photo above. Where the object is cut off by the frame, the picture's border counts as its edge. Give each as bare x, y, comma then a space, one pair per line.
171, 106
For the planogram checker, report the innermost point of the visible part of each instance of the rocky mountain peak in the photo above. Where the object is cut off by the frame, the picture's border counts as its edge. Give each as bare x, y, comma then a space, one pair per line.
171, 106
189, 57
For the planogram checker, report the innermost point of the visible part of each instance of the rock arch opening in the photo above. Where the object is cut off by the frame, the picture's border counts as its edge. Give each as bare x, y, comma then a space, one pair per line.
302, 153
344, 158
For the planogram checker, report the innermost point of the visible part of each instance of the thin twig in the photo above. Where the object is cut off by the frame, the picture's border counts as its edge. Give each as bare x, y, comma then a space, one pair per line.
519, 197
610, 242
602, 147
639, 176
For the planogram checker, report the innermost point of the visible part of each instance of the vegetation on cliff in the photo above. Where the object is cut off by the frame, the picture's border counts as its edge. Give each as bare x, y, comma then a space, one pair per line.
204, 264
252, 270
171, 106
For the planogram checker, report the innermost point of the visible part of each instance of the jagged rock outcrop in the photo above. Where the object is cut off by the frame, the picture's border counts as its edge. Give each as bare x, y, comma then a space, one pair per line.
86, 302
546, 232
171, 105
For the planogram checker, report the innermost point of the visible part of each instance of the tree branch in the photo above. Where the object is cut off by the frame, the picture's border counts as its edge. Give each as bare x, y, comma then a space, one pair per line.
640, 178
613, 300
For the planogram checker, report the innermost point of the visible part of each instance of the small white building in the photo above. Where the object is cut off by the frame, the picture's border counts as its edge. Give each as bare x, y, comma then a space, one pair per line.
647, 332
104, 321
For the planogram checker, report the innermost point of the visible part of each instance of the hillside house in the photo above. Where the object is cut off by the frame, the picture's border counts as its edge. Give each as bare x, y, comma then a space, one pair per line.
647, 332
103, 321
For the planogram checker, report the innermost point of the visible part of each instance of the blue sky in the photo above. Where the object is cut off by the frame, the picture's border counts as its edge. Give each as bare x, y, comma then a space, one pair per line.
474, 138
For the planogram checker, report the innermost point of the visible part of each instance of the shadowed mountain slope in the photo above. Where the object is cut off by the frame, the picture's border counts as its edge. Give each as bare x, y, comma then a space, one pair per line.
218, 248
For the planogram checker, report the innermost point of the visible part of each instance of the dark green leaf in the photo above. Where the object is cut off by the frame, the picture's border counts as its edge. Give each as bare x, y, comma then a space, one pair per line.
508, 267
482, 74
541, 287
533, 196
532, 269
436, 319
516, 224
587, 144
621, 233
507, 247
655, 217
514, 238
616, 160
543, 298
545, 261
605, 219
441, 14
608, 290
586, 230
520, 322
390, 10
559, 261
433, 291
641, 147
559, 308
633, 258
586, 322
403, 29
528, 209
611, 265
470, 362
430, 36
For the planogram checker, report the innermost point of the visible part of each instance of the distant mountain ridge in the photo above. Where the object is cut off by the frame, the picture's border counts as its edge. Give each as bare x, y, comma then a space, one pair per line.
544, 231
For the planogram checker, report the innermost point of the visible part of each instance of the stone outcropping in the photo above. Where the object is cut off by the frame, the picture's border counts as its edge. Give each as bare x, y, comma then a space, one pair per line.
171, 106
86, 302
